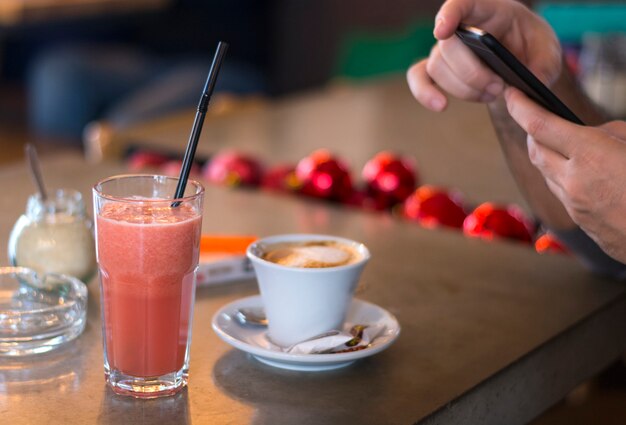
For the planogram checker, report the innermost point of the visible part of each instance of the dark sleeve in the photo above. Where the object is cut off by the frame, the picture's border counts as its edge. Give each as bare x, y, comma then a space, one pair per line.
590, 254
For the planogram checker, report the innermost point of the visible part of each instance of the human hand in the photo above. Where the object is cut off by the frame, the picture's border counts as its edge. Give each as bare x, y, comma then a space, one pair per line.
453, 68
583, 166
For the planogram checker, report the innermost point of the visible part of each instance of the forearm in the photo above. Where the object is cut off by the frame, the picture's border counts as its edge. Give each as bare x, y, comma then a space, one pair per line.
546, 207
451, 69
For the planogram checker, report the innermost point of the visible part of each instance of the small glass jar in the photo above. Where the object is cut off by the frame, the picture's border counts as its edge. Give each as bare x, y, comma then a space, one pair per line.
54, 236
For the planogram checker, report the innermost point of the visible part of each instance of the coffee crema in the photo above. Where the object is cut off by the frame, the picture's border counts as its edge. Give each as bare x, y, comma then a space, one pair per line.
311, 254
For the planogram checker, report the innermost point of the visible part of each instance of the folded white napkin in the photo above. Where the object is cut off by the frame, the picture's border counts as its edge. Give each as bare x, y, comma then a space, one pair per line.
355, 338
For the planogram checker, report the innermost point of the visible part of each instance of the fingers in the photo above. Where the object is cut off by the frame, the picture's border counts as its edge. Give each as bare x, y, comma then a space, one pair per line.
551, 164
545, 55
532, 38
471, 12
468, 68
558, 192
461, 74
550, 130
439, 70
616, 129
546, 63
424, 89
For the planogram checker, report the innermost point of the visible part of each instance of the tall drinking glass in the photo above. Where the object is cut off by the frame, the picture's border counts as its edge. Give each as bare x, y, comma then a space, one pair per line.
147, 253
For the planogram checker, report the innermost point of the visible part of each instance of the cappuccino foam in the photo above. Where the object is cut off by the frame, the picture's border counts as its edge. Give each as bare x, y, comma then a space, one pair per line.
311, 254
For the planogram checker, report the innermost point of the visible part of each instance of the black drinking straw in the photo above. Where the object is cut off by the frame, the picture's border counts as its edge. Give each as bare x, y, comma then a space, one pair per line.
196, 129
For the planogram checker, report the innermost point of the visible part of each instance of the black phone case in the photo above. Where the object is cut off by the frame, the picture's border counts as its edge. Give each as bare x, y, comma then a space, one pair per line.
506, 65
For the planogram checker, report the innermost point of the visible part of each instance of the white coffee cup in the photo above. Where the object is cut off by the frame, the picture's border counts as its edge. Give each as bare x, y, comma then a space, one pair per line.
299, 302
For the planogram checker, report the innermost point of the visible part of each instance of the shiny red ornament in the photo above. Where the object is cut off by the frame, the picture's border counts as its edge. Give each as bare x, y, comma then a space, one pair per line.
324, 176
432, 207
281, 178
548, 243
489, 221
140, 160
232, 168
390, 178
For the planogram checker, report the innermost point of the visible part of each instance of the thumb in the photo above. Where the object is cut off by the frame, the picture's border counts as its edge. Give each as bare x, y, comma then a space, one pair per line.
545, 58
450, 15
546, 128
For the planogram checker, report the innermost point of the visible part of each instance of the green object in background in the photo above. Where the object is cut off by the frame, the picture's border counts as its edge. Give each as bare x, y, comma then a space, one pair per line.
364, 54
367, 54
571, 20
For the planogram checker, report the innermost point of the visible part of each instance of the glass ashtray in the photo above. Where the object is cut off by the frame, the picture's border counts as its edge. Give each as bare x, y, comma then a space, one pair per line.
39, 313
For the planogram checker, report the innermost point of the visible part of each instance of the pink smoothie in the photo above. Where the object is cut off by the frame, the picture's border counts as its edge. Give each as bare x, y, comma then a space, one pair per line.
147, 257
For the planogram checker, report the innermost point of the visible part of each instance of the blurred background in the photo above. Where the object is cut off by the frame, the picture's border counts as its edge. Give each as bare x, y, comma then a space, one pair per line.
76, 70
66, 64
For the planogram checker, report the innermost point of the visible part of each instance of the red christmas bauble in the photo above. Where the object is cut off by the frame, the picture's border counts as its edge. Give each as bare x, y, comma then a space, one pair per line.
324, 176
140, 160
548, 243
432, 207
489, 220
232, 168
390, 178
281, 178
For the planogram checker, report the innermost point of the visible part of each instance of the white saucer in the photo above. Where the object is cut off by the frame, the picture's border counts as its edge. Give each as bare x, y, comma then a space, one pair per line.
253, 339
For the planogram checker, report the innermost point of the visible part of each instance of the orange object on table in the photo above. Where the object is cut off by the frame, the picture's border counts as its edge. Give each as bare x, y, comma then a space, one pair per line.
223, 259
231, 244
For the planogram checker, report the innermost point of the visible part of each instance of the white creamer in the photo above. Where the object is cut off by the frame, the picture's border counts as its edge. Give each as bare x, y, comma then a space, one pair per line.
54, 236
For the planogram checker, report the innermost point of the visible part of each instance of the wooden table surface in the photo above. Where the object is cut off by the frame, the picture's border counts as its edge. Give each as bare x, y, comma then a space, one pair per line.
492, 332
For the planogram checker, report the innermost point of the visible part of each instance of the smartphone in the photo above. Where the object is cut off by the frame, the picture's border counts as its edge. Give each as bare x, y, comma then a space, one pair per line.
512, 71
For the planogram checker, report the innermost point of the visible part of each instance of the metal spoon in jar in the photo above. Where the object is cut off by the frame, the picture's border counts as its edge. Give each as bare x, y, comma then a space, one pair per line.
35, 170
